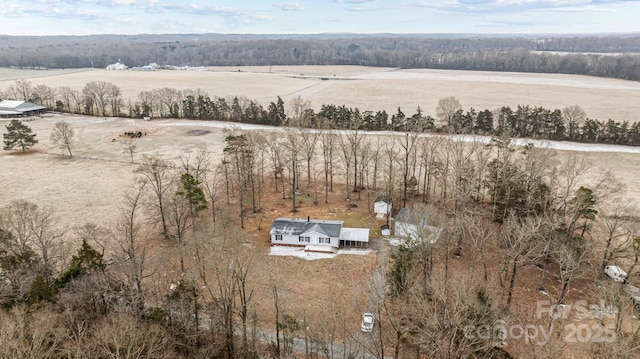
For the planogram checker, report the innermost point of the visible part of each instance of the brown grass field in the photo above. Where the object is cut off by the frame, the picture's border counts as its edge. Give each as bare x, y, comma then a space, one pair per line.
368, 88
90, 186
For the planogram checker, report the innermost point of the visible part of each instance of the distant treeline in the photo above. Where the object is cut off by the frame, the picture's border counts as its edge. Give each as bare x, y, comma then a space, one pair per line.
99, 98
604, 56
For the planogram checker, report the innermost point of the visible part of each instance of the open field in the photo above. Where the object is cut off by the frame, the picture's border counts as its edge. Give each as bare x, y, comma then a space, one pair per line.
369, 88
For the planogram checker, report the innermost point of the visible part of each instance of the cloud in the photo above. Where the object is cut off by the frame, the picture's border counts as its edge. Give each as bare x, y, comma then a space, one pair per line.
289, 6
13, 10
364, 5
68, 13
122, 11
353, 1
511, 6
195, 9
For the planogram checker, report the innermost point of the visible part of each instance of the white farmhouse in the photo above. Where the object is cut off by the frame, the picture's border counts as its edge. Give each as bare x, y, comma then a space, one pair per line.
316, 234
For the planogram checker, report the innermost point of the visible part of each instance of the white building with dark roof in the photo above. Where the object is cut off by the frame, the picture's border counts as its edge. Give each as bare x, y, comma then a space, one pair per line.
317, 234
12, 108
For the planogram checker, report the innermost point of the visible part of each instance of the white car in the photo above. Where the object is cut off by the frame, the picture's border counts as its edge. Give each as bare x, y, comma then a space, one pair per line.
634, 292
367, 322
616, 273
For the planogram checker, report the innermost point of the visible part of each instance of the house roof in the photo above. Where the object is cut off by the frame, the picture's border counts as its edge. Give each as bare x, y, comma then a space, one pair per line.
316, 228
12, 107
355, 234
407, 215
298, 226
384, 198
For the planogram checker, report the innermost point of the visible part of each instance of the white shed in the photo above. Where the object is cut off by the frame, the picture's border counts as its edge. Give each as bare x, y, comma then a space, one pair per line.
382, 206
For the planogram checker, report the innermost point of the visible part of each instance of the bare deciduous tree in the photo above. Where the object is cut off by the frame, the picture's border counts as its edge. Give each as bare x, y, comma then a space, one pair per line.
158, 174
298, 108
293, 146
573, 256
309, 139
618, 230
62, 136
346, 155
131, 254
391, 153
34, 232
101, 94
327, 143
446, 109
69, 98
573, 116
21, 90
120, 336
28, 335
518, 243
44, 95
95, 235
239, 152
178, 219
130, 148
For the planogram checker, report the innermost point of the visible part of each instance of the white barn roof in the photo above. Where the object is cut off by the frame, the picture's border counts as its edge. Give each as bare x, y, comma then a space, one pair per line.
12, 107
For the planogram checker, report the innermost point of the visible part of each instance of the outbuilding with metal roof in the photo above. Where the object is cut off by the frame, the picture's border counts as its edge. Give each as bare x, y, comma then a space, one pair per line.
12, 108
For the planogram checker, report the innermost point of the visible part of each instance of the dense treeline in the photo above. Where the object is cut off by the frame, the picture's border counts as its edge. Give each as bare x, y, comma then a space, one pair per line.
99, 98
606, 56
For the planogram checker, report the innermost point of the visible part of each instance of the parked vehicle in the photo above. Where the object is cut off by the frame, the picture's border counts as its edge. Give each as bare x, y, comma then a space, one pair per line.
634, 292
367, 322
616, 273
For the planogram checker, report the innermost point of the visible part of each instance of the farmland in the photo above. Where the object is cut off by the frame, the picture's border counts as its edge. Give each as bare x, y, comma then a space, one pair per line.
368, 88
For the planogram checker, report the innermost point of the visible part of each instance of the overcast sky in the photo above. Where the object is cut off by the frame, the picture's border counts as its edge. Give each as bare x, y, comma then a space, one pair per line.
85, 17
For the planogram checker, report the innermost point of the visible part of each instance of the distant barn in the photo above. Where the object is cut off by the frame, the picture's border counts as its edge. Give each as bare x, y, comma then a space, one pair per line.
117, 66
11, 108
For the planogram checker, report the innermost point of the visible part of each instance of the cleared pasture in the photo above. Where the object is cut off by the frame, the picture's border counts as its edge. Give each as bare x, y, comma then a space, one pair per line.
368, 88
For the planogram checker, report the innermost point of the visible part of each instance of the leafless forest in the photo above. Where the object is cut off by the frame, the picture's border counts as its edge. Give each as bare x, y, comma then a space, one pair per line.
605, 56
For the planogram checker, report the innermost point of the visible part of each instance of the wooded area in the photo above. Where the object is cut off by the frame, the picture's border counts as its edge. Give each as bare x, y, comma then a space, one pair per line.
516, 222
605, 56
